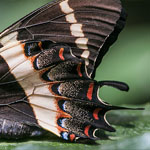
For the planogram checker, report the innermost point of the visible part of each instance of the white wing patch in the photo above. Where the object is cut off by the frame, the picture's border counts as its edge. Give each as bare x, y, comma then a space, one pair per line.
65, 8
82, 43
46, 126
85, 54
76, 30
45, 115
71, 18
42, 101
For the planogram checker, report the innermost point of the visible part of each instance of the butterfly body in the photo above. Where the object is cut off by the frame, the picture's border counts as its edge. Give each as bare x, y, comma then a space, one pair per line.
48, 61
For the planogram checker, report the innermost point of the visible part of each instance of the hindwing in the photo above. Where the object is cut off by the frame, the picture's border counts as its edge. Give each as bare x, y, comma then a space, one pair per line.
48, 61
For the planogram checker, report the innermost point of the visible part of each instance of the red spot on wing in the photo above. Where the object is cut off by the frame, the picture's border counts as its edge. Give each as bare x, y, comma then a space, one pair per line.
95, 113
86, 130
61, 51
90, 91
72, 137
79, 70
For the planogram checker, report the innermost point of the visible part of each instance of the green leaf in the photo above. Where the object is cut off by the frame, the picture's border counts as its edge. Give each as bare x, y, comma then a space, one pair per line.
133, 132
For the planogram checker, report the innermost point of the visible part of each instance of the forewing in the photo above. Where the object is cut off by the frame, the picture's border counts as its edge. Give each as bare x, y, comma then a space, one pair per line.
84, 25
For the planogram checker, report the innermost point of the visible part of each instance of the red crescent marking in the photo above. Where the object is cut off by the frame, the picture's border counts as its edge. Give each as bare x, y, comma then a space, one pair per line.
72, 137
95, 113
90, 91
61, 51
79, 70
86, 130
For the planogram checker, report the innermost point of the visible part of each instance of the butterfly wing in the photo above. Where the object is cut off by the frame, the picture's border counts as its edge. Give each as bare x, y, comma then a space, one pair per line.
84, 25
48, 60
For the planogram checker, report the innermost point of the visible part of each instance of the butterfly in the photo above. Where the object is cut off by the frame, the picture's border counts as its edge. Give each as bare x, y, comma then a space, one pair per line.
48, 61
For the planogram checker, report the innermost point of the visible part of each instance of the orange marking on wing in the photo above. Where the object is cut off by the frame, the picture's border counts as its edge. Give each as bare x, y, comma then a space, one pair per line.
61, 51
32, 59
79, 70
23, 45
40, 45
61, 113
60, 129
72, 137
65, 115
90, 91
28, 57
95, 113
86, 130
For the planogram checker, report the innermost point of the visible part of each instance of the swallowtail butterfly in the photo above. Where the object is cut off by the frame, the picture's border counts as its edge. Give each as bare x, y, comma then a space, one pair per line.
48, 61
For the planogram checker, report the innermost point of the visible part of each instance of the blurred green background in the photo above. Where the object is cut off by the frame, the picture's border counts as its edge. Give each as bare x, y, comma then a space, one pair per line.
128, 59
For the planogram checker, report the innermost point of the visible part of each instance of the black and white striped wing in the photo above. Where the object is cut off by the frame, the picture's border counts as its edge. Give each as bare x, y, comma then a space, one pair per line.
47, 65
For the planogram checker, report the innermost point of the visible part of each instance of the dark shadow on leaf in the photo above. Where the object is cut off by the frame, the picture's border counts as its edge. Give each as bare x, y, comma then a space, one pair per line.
87, 142
47, 137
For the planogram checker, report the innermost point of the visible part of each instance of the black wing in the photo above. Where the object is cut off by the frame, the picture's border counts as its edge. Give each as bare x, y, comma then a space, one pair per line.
48, 60
88, 27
